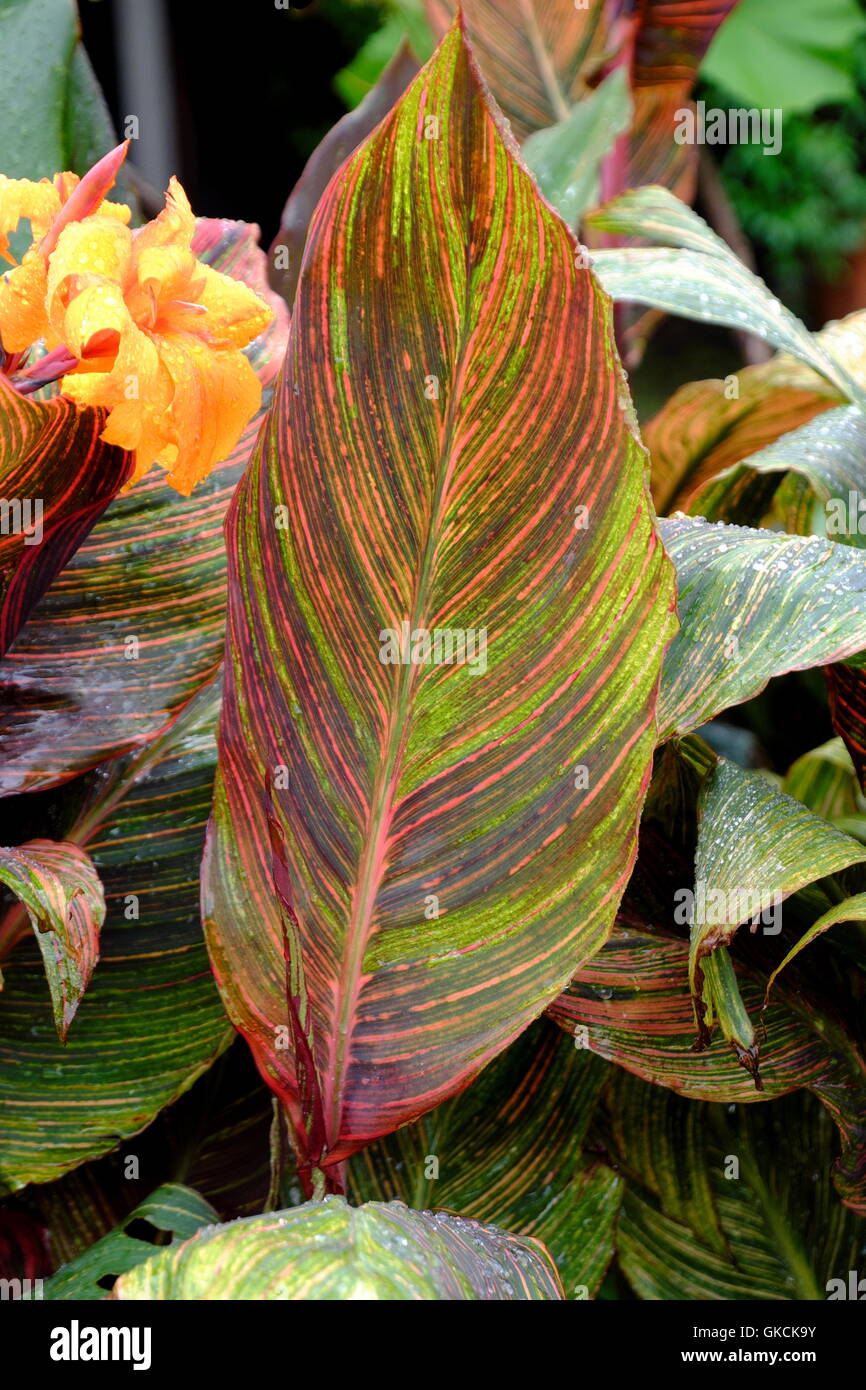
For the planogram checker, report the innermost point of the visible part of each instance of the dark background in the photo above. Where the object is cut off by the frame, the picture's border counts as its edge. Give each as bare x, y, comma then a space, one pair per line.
251, 88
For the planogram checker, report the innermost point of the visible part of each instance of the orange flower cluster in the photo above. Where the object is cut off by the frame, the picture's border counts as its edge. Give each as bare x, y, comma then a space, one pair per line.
138, 324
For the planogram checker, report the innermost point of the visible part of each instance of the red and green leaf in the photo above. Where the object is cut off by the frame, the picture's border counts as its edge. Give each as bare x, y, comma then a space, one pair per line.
60, 891
56, 479
357, 799
134, 625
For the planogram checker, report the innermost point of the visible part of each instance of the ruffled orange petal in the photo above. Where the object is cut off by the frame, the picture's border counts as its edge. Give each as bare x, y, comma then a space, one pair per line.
23, 320
215, 395
235, 314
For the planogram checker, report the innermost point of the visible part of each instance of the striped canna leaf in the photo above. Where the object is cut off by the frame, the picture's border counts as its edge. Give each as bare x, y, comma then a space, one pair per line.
329, 1250
710, 1212
134, 625
60, 891
56, 479
150, 1021
411, 853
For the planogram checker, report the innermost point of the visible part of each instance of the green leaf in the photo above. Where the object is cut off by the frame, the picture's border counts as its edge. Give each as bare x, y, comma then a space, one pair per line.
61, 892
711, 1213
172, 1208
756, 846
53, 115
753, 605
824, 780
508, 1151
566, 158
151, 1021
797, 57
633, 1000
329, 1250
406, 25
407, 861
134, 625
701, 279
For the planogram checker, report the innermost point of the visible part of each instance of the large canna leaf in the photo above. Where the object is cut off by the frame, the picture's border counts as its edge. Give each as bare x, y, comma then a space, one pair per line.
409, 860
508, 1151
710, 1212
753, 605
134, 625
59, 887
56, 479
329, 1250
150, 1021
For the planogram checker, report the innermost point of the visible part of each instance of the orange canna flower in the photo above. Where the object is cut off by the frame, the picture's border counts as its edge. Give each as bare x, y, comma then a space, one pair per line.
138, 325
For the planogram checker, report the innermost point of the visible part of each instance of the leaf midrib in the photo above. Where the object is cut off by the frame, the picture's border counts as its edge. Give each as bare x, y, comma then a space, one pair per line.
372, 864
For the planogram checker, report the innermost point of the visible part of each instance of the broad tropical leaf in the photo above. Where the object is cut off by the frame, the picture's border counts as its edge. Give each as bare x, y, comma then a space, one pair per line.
173, 1208
711, 1213
701, 279
409, 857
287, 248
753, 605
329, 1250
56, 479
60, 891
151, 1020
134, 625
566, 158
508, 1151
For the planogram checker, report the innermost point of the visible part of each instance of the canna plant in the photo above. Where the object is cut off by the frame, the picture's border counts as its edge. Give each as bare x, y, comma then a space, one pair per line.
390, 911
